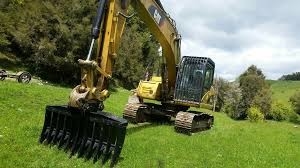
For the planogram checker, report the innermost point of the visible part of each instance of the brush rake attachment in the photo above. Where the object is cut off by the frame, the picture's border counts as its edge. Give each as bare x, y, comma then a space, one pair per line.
92, 135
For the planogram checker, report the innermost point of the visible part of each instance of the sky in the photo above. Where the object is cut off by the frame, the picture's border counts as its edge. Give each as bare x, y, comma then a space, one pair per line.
239, 33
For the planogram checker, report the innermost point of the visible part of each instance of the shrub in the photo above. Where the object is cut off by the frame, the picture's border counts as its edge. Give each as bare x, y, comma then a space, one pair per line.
263, 100
294, 118
255, 115
295, 100
231, 99
280, 112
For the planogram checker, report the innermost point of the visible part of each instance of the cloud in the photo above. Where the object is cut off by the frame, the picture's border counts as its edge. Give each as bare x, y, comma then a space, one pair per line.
237, 34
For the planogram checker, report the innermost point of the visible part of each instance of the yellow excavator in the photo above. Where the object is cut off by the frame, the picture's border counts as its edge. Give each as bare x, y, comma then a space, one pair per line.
86, 130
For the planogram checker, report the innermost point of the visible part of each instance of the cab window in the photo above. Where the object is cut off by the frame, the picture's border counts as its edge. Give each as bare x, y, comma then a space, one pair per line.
208, 77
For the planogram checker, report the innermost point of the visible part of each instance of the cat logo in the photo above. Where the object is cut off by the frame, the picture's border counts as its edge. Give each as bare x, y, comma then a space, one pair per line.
157, 15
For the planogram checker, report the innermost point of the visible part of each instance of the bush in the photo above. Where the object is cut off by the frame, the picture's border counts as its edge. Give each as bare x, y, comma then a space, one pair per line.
280, 112
232, 97
294, 118
295, 100
263, 100
231, 110
255, 115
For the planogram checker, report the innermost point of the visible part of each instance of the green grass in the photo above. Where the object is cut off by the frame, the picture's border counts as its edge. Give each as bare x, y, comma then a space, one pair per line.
228, 144
283, 90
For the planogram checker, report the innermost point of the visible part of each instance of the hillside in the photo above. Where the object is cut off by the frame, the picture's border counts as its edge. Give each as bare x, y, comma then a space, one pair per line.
283, 90
228, 144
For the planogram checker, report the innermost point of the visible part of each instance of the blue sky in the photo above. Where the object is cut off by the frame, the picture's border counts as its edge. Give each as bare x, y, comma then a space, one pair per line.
238, 33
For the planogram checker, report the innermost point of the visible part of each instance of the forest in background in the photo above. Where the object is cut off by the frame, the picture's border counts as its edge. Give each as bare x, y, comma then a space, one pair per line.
293, 76
49, 36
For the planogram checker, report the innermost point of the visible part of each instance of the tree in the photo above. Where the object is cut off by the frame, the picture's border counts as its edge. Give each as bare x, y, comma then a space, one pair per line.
138, 50
254, 92
55, 34
263, 100
294, 76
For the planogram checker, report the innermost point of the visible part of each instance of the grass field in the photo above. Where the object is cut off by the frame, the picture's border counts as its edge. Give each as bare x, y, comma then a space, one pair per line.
228, 144
283, 90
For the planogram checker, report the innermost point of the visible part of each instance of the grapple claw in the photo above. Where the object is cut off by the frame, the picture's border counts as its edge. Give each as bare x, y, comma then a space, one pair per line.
87, 134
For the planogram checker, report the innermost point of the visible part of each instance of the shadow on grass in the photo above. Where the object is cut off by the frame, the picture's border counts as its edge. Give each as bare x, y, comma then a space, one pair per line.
154, 121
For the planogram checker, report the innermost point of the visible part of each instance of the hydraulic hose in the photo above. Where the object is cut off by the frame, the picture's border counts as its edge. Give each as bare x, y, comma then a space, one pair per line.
98, 19
96, 25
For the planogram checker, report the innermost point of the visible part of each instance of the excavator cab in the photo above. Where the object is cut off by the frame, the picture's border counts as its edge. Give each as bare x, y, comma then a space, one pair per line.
194, 77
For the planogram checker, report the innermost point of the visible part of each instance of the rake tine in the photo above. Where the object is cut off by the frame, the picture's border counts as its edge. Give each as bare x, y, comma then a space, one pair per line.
52, 136
67, 141
81, 147
119, 144
61, 141
88, 148
98, 143
102, 149
54, 131
77, 129
96, 154
75, 145
60, 129
44, 135
90, 142
76, 140
61, 133
86, 128
114, 139
93, 151
69, 133
105, 152
46, 127
59, 137
106, 146
111, 142
99, 152
48, 138
103, 140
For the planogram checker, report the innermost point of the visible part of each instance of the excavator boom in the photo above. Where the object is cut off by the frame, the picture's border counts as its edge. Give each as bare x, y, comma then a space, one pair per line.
83, 128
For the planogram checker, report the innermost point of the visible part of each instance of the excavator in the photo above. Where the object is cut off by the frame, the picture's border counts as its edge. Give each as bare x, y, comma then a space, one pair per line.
83, 128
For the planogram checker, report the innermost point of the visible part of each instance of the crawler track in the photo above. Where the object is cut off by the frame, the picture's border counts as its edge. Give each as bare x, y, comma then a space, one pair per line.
188, 122
133, 112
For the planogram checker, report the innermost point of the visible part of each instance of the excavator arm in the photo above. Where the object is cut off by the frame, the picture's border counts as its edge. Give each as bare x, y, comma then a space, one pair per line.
82, 126
108, 28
